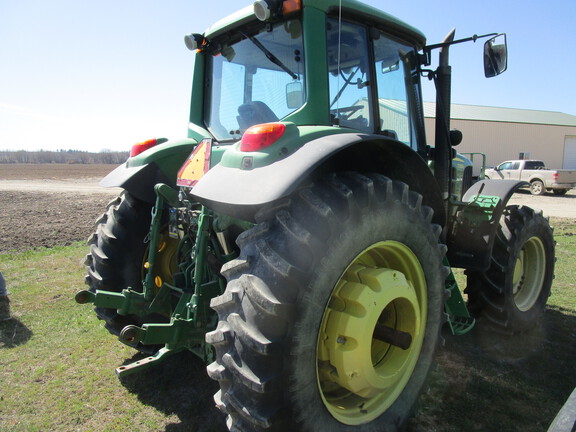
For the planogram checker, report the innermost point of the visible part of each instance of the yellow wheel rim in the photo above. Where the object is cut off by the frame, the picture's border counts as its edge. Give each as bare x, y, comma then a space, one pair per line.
360, 374
529, 272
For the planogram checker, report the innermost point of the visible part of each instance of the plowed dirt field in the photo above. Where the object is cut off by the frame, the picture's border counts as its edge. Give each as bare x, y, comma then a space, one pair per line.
44, 205
50, 205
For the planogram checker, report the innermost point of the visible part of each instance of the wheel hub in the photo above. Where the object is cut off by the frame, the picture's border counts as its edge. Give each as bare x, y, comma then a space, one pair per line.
372, 333
529, 274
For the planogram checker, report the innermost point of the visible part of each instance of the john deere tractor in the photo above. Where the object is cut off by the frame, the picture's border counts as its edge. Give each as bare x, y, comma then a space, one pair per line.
301, 239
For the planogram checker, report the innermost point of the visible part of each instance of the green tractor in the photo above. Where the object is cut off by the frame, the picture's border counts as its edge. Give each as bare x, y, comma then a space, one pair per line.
301, 239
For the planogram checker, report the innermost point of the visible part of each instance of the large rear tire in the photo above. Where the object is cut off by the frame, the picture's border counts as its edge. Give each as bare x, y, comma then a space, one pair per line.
299, 342
118, 251
510, 297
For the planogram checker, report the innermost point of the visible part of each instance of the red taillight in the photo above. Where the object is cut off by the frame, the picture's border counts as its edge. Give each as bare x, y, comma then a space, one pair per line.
142, 146
555, 176
261, 136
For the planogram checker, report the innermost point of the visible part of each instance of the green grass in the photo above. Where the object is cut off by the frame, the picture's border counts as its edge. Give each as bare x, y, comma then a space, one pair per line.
57, 363
564, 292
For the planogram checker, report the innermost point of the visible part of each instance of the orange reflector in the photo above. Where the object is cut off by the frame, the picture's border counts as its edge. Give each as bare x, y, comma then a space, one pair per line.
142, 146
158, 281
261, 136
197, 164
289, 6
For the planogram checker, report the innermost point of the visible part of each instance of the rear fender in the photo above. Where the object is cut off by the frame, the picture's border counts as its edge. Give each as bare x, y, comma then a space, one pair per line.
240, 193
160, 164
473, 230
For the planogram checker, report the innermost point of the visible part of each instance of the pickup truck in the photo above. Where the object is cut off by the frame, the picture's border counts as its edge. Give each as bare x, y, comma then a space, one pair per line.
534, 172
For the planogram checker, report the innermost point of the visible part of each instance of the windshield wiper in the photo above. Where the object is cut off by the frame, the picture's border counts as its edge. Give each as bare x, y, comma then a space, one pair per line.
270, 56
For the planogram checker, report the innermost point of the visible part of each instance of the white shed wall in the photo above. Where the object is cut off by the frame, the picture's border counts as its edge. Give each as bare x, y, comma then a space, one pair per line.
501, 141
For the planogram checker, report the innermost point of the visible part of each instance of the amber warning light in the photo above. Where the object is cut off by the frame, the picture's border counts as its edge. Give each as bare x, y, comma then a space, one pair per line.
197, 164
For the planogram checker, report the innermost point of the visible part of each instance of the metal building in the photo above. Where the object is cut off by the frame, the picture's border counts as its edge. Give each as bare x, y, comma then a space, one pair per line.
507, 133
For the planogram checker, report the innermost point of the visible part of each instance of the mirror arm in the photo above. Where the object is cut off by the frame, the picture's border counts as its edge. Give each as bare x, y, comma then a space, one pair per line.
428, 48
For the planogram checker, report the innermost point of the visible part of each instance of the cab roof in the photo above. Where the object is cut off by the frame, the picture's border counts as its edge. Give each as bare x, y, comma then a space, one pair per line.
351, 9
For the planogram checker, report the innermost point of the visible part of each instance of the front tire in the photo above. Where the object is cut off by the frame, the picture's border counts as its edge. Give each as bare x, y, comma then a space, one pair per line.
298, 344
511, 295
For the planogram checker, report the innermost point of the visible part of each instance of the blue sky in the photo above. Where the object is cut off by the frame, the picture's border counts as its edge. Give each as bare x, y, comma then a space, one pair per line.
100, 75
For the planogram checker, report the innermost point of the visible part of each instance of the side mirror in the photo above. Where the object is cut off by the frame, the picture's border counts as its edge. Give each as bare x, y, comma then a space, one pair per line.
294, 95
495, 56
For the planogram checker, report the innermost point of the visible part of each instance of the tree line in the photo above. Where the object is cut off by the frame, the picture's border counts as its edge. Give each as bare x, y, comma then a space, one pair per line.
63, 156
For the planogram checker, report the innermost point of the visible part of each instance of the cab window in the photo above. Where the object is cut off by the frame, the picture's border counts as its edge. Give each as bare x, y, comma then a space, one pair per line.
398, 90
349, 75
357, 76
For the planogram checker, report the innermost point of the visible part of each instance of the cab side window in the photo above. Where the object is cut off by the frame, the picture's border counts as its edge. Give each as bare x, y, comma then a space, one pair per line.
349, 75
396, 77
389, 74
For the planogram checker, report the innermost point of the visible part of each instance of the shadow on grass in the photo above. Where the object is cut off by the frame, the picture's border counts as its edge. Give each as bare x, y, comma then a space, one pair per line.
488, 382
13, 333
180, 386
482, 382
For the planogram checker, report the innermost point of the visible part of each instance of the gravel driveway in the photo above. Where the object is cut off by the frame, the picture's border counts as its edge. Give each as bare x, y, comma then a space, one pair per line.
551, 205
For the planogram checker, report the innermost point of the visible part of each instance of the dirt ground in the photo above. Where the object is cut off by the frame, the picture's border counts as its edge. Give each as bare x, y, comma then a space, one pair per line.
50, 205
551, 205
44, 205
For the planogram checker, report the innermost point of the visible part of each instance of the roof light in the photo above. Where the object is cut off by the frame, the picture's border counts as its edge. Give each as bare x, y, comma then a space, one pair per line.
266, 9
261, 136
194, 41
145, 145
262, 10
